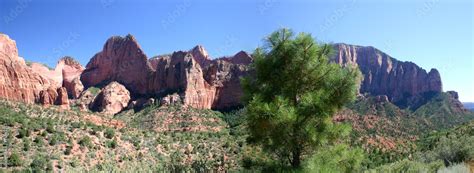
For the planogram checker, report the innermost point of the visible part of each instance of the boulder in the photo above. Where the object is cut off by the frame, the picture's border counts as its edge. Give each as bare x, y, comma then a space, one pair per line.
54, 96
172, 99
85, 100
112, 99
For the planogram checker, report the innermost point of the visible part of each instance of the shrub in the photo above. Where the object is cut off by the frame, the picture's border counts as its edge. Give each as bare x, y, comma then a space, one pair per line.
68, 150
39, 141
410, 166
26, 144
109, 133
50, 127
14, 160
338, 158
86, 142
111, 144
39, 163
23, 132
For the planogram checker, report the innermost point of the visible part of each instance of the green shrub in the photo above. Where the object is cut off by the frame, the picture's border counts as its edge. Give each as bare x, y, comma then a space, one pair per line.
14, 160
23, 132
86, 142
26, 144
410, 166
338, 158
109, 133
68, 150
39, 163
111, 144
39, 141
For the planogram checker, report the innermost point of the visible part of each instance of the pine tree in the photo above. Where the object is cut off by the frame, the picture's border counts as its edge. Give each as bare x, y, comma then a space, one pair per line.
292, 94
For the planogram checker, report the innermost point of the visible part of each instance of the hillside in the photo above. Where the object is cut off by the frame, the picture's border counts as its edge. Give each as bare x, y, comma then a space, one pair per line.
161, 139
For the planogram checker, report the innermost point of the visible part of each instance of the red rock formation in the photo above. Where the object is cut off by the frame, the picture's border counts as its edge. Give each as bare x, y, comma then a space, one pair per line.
200, 81
66, 74
71, 72
404, 83
18, 82
121, 60
54, 75
456, 106
112, 99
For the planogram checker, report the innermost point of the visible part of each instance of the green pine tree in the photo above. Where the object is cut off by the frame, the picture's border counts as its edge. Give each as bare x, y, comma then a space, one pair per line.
292, 94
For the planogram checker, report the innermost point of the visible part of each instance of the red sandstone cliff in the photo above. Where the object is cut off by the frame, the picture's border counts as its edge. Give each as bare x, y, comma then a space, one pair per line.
404, 83
200, 81
18, 82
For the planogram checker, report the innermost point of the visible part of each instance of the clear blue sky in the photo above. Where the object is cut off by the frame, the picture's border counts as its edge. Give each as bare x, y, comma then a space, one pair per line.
431, 33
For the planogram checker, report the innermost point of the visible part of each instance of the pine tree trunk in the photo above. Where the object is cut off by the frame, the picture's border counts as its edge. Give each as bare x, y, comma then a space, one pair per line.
296, 161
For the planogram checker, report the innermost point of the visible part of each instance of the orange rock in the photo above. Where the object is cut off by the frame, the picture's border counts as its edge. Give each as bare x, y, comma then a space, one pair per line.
18, 82
112, 99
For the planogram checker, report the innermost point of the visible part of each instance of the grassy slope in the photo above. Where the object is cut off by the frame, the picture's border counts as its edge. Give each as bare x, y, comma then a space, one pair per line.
72, 141
390, 134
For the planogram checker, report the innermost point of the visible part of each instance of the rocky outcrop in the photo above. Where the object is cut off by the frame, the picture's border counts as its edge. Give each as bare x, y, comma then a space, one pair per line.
405, 84
121, 60
199, 81
85, 100
71, 71
171, 99
54, 96
18, 82
456, 105
112, 99
66, 74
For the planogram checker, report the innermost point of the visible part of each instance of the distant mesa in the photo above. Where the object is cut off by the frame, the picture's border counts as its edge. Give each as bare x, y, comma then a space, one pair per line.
405, 83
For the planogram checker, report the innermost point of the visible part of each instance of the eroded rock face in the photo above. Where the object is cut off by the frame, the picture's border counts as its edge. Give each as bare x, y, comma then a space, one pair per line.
112, 99
121, 60
85, 100
456, 105
404, 83
18, 82
71, 71
200, 81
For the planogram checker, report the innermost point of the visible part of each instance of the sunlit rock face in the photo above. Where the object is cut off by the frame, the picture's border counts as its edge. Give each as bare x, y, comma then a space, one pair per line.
19, 82
199, 81
404, 83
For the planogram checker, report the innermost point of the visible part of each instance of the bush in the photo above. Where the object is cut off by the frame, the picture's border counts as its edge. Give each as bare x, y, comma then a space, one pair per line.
338, 158
23, 132
86, 142
39, 141
39, 163
26, 144
111, 144
410, 166
109, 133
14, 160
68, 150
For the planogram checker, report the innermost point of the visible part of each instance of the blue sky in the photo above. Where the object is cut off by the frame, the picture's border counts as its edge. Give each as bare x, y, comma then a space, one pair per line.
431, 33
